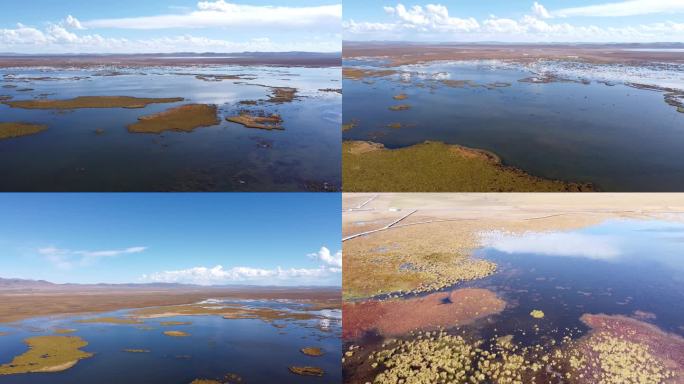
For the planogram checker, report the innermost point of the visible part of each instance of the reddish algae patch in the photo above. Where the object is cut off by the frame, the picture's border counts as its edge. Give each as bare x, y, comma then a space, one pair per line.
431, 312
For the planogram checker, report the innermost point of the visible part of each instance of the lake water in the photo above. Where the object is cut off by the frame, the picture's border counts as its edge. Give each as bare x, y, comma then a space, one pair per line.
618, 267
618, 137
256, 350
70, 156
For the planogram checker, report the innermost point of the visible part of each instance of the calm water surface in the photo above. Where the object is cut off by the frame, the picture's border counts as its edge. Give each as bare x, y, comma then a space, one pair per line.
70, 156
618, 137
256, 350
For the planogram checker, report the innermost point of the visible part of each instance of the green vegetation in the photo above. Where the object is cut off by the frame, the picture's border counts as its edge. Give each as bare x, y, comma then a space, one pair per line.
184, 118
92, 102
312, 351
436, 167
12, 130
537, 314
47, 354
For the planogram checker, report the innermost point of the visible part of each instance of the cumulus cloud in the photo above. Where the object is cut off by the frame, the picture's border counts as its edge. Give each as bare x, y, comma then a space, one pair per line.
330, 267
67, 258
433, 22
623, 8
324, 255
220, 13
431, 17
72, 22
220, 275
540, 11
57, 39
600, 247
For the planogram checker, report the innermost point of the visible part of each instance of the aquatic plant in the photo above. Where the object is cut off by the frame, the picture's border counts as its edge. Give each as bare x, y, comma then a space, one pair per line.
537, 314
47, 354
12, 130
110, 320
400, 107
435, 167
312, 351
249, 120
185, 118
307, 371
92, 102
176, 333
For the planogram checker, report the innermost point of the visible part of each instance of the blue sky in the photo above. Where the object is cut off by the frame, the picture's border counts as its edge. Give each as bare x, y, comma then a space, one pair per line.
516, 21
154, 26
207, 239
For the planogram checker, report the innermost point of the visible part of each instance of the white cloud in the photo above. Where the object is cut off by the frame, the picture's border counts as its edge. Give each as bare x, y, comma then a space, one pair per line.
72, 22
324, 255
57, 39
540, 11
599, 247
431, 17
433, 23
220, 13
331, 267
66, 258
219, 275
623, 8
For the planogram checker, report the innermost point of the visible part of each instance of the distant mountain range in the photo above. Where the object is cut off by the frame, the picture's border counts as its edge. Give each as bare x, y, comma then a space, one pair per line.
43, 285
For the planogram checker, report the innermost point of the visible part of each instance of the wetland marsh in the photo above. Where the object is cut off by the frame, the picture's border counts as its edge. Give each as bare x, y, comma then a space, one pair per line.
583, 291
167, 126
226, 340
583, 121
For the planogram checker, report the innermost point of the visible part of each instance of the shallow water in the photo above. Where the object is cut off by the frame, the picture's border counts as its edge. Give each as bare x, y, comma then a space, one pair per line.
70, 156
617, 267
618, 137
256, 350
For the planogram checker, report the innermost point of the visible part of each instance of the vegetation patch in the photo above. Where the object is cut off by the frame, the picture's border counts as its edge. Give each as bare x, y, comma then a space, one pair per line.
436, 167
400, 107
401, 96
282, 94
64, 331
47, 354
92, 102
307, 371
12, 130
176, 334
185, 118
312, 351
132, 350
537, 314
437, 311
110, 320
171, 323
360, 74
249, 120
